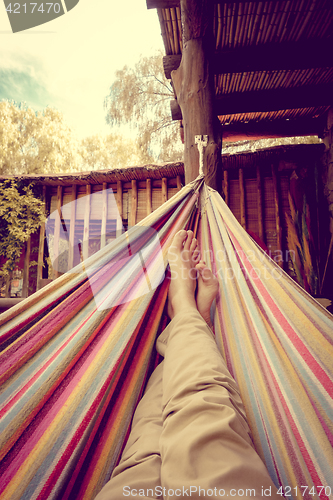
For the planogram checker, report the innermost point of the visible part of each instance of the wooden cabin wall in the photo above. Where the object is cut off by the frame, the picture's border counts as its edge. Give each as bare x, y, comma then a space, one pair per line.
256, 188
257, 206
258, 196
90, 216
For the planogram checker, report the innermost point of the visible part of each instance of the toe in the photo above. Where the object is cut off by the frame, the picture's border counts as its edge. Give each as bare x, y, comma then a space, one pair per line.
193, 244
205, 273
179, 239
201, 265
196, 256
188, 242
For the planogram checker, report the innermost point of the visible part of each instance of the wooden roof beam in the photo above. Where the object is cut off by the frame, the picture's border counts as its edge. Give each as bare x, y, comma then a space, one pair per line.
263, 101
238, 131
169, 4
270, 57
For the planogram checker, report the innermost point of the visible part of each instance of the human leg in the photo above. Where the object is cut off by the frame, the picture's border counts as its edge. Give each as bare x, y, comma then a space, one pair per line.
205, 441
140, 464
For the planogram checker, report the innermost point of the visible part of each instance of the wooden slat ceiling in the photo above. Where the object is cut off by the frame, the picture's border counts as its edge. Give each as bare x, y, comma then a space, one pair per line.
273, 59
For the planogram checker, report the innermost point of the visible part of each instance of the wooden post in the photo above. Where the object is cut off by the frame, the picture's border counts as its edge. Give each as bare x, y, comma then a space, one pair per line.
86, 222
149, 197
40, 261
328, 159
104, 214
119, 200
226, 186
7, 285
72, 229
179, 183
242, 198
193, 82
327, 137
25, 285
57, 233
259, 205
277, 216
134, 202
164, 189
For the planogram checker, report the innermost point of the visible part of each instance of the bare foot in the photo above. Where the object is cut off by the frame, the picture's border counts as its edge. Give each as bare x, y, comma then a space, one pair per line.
183, 256
208, 288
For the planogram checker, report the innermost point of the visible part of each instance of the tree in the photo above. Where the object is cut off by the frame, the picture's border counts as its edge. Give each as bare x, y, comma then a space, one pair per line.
140, 96
112, 151
35, 142
21, 214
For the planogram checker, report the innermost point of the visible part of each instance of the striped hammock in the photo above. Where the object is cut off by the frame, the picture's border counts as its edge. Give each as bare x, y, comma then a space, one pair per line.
76, 356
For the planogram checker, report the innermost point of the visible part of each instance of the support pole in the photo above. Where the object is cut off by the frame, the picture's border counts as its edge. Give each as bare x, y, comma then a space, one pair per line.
149, 196
164, 189
25, 286
57, 234
104, 214
193, 82
226, 186
277, 216
41, 246
134, 202
260, 205
72, 229
119, 199
86, 227
242, 198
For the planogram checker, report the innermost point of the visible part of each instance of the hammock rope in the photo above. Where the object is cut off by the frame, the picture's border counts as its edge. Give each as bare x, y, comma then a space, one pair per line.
76, 355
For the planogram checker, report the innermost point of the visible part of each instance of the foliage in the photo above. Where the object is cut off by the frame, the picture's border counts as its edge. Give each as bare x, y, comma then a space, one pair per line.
35, 142
41, 143
21, 214
140, 97
112, 151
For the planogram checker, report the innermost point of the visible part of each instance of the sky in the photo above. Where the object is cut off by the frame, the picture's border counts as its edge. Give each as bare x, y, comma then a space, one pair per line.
70, 63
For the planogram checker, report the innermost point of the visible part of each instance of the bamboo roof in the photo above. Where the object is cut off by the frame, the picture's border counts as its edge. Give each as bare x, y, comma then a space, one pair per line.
273, 60
126, 174
244, 159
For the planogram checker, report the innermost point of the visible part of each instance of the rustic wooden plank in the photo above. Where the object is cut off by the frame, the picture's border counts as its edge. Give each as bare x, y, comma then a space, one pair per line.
226, 186
119, 200
264, 101
149, 196
277, 216
260, 205
57, 233
85, 245
104, 214
72, 229
267, 57
169, 4
25, 285
179, 182
242, 198
134, 202
40, 260
164, 189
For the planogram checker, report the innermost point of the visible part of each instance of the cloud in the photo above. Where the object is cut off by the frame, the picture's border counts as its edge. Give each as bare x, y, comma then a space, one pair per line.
22, 79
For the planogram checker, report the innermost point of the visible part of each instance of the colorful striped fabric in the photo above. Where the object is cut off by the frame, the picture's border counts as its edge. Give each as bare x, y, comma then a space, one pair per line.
76, 355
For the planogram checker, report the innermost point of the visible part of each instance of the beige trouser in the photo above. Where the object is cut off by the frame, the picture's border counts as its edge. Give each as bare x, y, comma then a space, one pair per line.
189, 436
